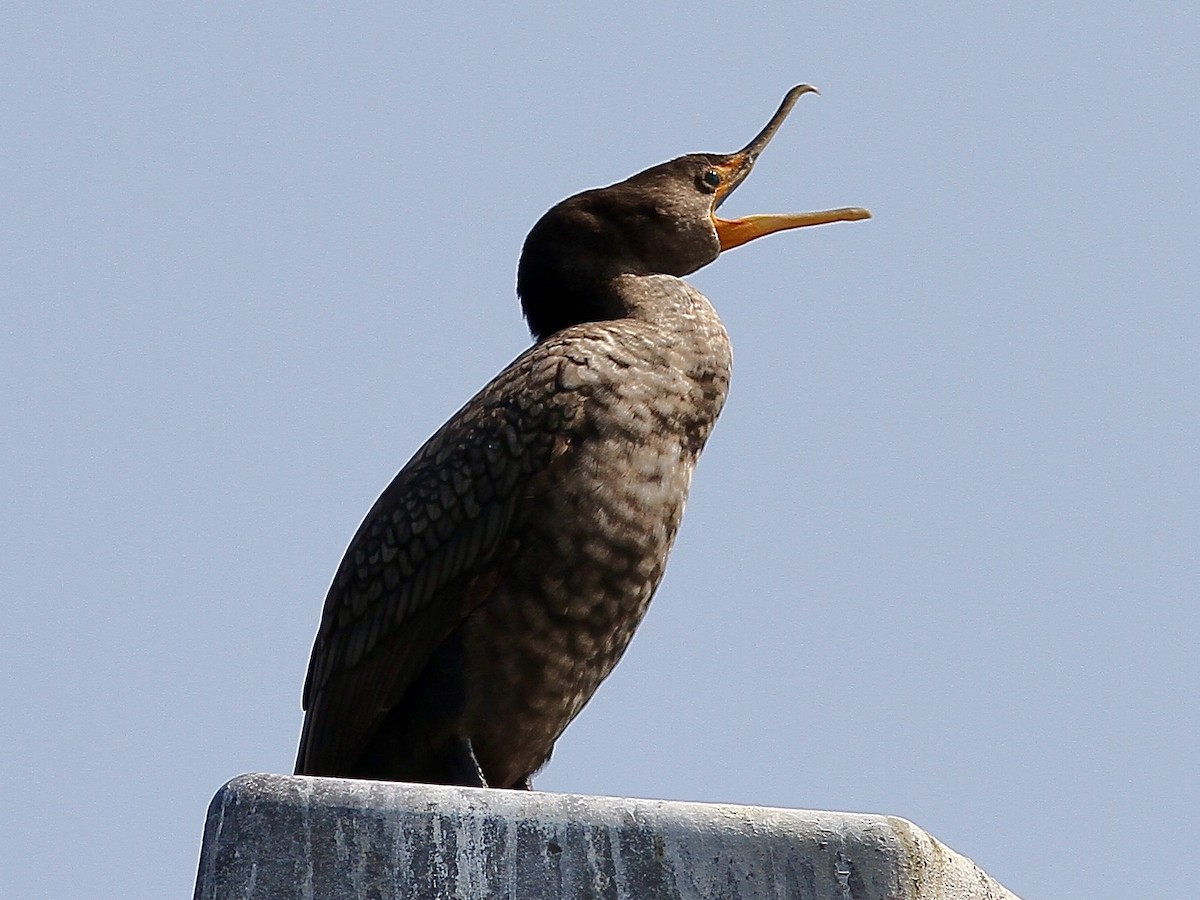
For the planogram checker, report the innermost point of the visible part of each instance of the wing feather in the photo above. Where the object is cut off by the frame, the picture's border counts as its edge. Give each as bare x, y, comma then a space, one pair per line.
416, 564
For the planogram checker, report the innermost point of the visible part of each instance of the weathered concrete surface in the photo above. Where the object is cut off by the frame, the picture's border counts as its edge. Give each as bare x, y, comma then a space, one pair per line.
274, 836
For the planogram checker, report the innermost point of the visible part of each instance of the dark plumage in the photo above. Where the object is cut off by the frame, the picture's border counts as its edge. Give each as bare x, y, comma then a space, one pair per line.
501, 575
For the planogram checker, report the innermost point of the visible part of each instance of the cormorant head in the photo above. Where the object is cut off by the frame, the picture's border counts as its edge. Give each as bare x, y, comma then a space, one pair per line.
662, 221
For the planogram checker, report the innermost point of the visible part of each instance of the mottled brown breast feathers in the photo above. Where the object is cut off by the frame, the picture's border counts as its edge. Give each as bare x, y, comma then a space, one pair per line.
529, 533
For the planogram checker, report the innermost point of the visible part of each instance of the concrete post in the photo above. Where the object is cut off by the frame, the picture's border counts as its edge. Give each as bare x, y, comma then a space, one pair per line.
278, 837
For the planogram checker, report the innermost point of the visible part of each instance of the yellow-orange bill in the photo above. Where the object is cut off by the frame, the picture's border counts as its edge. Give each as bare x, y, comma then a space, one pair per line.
735, 232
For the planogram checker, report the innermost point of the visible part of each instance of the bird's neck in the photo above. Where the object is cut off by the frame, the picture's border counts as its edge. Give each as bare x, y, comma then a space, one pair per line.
671, 314
553, 300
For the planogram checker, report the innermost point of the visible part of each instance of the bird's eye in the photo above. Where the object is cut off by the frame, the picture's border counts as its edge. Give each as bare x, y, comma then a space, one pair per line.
711, 178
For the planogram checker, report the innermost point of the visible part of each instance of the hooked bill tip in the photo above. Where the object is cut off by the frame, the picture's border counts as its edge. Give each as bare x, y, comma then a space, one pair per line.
761, 139
799, 90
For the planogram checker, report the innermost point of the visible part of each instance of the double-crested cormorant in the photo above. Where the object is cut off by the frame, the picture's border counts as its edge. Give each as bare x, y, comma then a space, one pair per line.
502, 573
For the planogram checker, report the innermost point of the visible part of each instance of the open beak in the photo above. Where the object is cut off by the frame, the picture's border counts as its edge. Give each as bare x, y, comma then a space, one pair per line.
735, 168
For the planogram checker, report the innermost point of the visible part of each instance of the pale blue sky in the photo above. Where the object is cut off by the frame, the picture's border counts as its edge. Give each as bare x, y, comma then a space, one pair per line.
941, 559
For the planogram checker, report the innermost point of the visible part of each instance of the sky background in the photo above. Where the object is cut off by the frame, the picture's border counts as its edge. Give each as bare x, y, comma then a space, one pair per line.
942, 554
